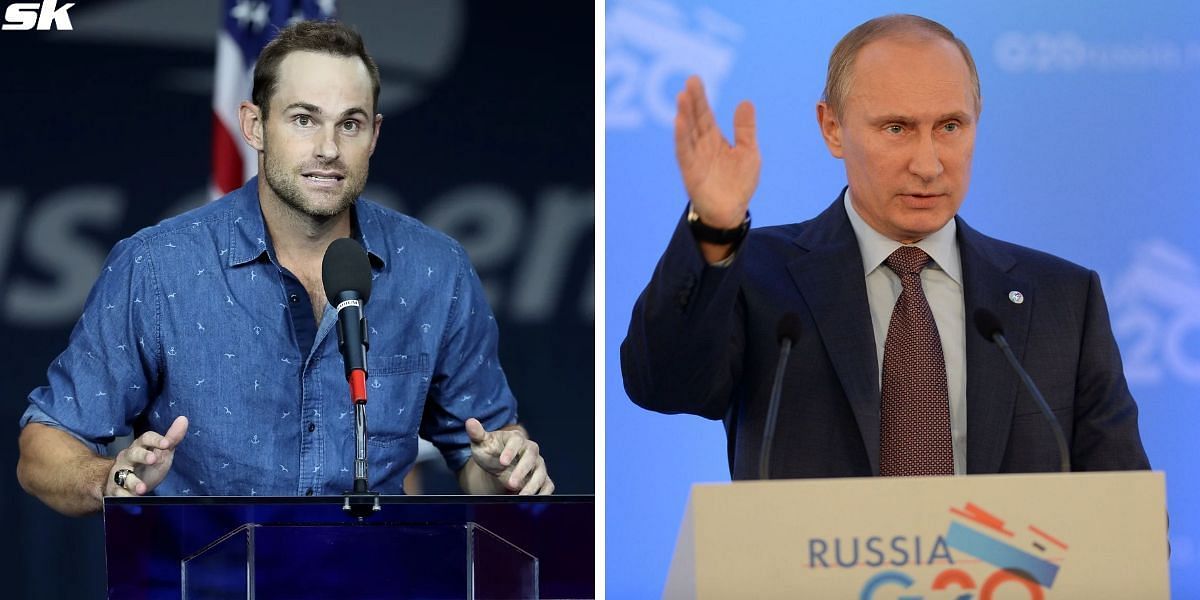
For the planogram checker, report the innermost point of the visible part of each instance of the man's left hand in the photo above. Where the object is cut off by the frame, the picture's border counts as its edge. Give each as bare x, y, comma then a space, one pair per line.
509, 456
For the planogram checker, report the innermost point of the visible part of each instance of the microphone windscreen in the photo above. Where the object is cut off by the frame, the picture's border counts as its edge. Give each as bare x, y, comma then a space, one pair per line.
789, 328
987, 323
346, 268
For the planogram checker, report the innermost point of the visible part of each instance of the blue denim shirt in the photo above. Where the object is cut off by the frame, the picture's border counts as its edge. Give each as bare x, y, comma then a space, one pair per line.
195, 316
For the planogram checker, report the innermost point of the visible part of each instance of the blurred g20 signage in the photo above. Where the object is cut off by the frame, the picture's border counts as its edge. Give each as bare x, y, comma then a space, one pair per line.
1155, 306
651, 47
42, 16
977, 557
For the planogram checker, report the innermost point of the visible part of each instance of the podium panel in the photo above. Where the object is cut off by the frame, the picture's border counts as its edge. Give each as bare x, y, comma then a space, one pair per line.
1075, 535
413, 547
260, 562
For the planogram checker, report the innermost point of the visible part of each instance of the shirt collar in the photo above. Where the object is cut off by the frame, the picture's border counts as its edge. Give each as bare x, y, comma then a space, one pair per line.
941, 245
249, 241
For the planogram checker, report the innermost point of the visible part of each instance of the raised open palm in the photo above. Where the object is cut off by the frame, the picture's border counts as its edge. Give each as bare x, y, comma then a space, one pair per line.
720, 178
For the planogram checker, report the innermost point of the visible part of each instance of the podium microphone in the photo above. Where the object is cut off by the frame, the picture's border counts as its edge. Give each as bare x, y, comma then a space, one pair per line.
787, 332
346, 275
989, 327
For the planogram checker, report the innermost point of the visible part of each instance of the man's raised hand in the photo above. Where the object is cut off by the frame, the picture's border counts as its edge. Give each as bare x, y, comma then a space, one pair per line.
720, 178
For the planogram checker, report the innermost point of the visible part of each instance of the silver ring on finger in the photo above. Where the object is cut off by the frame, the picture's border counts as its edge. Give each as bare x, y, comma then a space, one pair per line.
121, 476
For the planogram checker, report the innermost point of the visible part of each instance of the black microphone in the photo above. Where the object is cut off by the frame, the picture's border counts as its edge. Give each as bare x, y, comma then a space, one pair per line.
346, 275
787, 332
989, 327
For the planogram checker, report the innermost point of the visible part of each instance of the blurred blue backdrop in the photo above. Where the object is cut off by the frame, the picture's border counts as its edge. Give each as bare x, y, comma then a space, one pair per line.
1089, 132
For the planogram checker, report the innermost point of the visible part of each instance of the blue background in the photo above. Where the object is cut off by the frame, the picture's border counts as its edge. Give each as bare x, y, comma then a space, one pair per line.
1087, 148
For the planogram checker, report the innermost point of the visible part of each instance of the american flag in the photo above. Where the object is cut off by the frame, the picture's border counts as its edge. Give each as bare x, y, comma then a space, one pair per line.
248, 26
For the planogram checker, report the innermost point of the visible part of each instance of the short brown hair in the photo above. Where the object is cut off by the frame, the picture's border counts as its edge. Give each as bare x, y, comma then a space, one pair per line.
328, 37
841, 61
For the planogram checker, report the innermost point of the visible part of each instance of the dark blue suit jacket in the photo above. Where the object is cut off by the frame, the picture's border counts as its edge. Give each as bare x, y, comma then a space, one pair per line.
702, 340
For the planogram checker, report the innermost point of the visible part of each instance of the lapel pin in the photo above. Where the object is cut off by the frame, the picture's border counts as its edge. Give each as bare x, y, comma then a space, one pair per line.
1016, 297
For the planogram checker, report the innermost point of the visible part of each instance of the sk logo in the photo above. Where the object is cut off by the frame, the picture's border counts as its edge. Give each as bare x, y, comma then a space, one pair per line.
43, 16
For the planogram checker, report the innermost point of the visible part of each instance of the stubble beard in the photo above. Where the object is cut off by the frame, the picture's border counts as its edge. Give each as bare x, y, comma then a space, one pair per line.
284, 182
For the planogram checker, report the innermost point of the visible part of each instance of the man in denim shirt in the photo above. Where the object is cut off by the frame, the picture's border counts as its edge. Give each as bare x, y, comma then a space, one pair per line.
209, 334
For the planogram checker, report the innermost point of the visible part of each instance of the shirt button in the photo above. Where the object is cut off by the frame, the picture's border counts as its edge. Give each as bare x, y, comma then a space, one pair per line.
294, 298
309, 492
311, 427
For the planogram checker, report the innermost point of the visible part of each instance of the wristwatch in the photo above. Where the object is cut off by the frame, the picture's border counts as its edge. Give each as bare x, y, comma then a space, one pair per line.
712, 235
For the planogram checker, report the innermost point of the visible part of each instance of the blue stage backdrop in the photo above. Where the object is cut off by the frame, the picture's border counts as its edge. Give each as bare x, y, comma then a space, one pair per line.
488, 135
1089, 132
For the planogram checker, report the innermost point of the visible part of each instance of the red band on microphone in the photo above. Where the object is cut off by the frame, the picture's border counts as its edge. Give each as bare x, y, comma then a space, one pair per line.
358, 386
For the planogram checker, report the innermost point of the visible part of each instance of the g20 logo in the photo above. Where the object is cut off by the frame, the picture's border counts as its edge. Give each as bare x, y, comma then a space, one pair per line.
1022, 558
950, 579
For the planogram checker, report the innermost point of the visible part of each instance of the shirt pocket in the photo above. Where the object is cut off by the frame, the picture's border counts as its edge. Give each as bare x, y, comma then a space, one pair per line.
396, 389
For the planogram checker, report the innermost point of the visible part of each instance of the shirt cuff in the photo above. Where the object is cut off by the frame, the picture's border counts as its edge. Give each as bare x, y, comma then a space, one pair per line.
33, 414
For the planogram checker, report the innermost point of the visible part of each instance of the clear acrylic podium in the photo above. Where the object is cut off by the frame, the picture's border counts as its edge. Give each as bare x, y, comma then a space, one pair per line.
413, 547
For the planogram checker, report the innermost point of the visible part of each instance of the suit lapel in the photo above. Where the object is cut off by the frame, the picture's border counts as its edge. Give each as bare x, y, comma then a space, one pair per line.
992, 387
838, 302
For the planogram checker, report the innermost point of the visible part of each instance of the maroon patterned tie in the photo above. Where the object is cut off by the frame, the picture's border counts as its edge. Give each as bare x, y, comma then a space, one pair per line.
915, 421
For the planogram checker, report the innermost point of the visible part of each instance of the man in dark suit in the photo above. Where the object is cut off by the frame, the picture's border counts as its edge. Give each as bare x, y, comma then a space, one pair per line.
887, 375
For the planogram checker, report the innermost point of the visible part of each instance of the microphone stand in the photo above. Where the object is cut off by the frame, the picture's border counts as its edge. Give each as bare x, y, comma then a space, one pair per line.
360, 502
